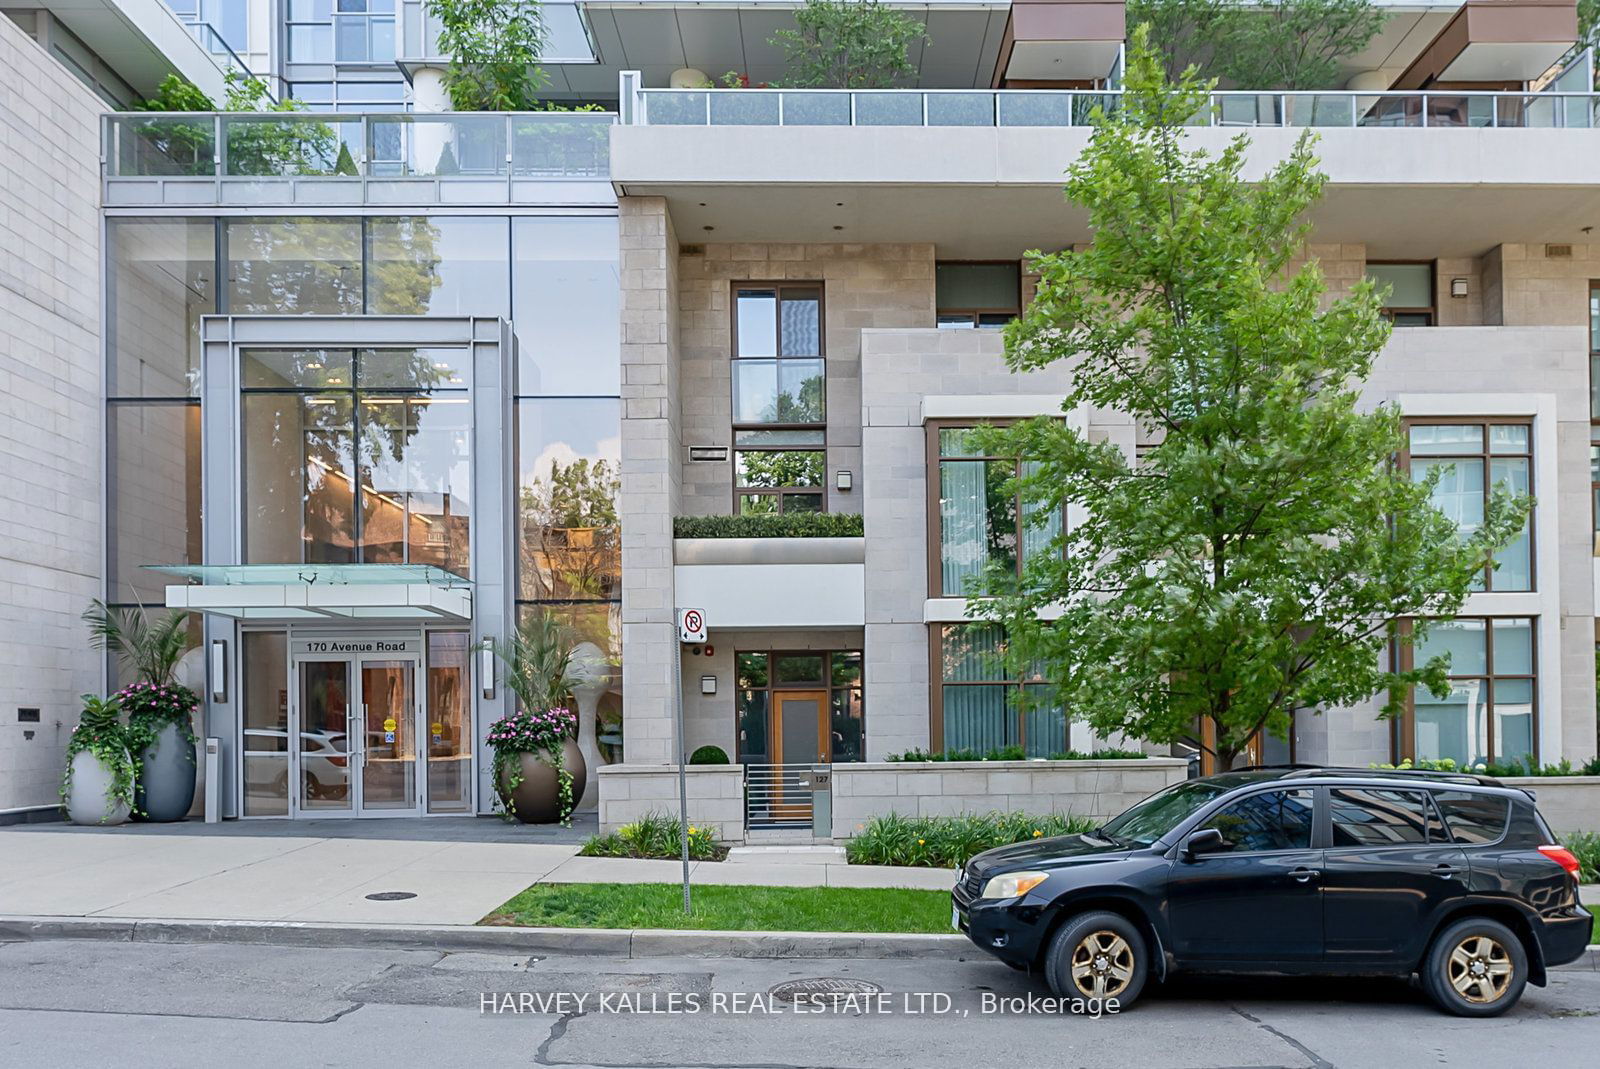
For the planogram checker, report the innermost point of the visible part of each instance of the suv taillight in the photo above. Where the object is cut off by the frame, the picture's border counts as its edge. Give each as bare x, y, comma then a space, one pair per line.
1563, 857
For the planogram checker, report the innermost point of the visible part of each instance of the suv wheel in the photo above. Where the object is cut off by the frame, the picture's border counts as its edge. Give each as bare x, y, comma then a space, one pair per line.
1475, 968
1098, 956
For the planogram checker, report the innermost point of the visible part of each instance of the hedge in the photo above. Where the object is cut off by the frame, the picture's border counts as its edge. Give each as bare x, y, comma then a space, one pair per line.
786, 525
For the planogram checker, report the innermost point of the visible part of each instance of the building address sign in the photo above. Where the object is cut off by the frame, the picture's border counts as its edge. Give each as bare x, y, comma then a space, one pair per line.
343, 646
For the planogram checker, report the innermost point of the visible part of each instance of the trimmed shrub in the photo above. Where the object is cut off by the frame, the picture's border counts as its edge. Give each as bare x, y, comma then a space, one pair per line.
1585, 846
786, 525
948, 842
709, 755
655, 835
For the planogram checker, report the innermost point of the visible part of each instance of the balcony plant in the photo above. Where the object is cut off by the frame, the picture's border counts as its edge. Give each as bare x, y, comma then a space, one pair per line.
771, 525
848, 44
494, 48
187, 146
536, 754
160, 732
97, 785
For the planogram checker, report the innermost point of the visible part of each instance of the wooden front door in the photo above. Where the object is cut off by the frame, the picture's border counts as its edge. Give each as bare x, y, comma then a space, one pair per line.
799, 737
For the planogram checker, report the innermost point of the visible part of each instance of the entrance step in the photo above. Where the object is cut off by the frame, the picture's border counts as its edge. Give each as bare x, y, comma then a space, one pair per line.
787, 855
781, 837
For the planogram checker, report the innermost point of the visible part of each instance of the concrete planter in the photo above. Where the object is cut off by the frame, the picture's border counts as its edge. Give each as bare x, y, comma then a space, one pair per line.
537, 799
165, 789
89, 799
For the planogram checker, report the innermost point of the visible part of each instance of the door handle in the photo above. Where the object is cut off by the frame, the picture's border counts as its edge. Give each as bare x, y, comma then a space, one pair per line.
1305, 875
1445, 870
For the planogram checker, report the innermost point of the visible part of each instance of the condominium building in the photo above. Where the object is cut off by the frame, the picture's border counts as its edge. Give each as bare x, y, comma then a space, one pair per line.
363, 386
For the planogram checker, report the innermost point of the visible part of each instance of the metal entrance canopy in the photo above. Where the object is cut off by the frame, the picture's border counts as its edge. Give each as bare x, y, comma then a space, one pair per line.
396, 592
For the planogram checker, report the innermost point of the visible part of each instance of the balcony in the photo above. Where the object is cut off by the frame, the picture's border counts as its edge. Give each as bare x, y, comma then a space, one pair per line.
329, 158
772, 582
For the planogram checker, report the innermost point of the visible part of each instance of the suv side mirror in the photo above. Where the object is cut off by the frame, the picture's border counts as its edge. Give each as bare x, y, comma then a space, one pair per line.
1204, 841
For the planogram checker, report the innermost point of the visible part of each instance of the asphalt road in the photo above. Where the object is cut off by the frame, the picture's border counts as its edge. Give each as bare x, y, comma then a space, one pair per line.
91, 1003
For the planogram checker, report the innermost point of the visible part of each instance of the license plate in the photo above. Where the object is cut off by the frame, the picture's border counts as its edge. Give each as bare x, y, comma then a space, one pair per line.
955, 918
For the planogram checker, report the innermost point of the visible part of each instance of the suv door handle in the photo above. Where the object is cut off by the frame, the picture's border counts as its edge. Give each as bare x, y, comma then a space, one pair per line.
1448, 871
1305, 875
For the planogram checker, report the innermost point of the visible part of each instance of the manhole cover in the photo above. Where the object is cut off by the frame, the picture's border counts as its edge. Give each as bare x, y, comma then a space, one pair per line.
390, 896
822, 988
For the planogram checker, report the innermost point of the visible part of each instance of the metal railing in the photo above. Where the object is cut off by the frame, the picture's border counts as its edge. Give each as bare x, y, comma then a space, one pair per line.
308, 144
1073, 107
779, 796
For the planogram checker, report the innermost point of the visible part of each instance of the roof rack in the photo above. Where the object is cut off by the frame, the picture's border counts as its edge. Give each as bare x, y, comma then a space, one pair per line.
1297, 770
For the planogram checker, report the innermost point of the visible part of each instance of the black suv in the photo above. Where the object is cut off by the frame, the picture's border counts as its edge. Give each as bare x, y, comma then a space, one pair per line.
1294, 870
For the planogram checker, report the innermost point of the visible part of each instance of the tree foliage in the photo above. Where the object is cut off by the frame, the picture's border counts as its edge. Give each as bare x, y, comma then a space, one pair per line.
848, 44
252, 148
494, 48
1256, 560
1281, 45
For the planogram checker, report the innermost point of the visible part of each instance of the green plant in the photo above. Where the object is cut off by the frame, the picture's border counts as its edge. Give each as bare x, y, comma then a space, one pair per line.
1109, 753
494, 48
1585, 846
783, 525
1443, 764
253, 148
1012, 753
151, 707
848, 44
948, 842
709, 755
1255, 562
1282, 45
1591, 767
148, 647
655, 835
537, 658
99, 732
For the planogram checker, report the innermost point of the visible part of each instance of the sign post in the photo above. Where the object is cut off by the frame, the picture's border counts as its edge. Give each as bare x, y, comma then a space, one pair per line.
691, 632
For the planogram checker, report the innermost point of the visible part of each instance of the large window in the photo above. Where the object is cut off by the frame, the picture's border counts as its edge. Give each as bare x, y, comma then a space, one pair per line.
568, 452
363, 31
1476, 459
763, 678
1594, 410
978, 294
153, 494
295, 266
567, 295
982, 703
357, 456
420, 265
779, 399
979, 525
160, 279
1407, 289
1490, 712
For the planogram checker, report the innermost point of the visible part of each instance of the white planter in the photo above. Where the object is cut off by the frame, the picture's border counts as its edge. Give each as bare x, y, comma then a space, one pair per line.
89, 799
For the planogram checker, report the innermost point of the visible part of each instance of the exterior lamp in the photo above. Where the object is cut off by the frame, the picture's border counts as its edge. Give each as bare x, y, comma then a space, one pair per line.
219, 670
843, 480
708, 684
1458, 287
486, 672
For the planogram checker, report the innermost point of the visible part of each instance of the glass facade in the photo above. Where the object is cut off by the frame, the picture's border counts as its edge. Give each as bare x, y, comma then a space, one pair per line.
1489, 713
981, 525
779, 400
1474, 461
981, 703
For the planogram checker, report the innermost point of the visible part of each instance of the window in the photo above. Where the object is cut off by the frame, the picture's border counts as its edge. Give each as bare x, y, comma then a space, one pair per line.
1473, 819
420, 265
363, 31
981, 703
779, 400
309, 24
1489, 714
979, 524
570, 547
566, 305
978, 294
759, 674
356, 456
1271, 820
1374, 817
1406, 290
161, 277
1477, 458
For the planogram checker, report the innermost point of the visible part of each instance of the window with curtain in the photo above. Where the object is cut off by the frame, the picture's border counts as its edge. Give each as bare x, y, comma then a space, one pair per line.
1475, 459
1490, 712
978, 294
779, 399
979, 523
981, 703
1407, 291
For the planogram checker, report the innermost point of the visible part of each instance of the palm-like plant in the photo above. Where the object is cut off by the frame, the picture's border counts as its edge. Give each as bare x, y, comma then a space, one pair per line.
151, 647
538, 662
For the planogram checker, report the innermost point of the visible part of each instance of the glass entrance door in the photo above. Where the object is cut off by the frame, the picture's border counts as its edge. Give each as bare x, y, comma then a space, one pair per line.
323, 725
389, 739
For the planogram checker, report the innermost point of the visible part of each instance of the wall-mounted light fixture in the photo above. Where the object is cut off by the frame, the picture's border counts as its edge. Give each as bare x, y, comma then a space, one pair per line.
486, 672
843, 480
708, 684
219, 669
1458, 287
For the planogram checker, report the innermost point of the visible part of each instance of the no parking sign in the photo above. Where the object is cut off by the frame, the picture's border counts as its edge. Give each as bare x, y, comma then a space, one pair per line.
691, 626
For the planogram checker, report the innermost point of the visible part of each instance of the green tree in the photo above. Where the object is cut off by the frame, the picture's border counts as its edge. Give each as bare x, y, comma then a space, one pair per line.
1256, 560
253, 148
1280, 45
494, 48
848, 44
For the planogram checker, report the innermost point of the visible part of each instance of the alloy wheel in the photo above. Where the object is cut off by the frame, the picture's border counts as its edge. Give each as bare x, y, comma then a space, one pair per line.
1102, 964
1480, 969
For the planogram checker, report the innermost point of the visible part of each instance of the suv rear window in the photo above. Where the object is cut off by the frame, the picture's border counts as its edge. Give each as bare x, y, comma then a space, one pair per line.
1473, 819
1374, 816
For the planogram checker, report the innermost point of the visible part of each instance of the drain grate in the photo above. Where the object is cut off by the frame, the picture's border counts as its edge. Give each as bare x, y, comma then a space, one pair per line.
390, 896
823, 988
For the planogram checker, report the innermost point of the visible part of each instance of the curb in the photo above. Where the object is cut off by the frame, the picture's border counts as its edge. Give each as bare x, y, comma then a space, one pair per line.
608, 942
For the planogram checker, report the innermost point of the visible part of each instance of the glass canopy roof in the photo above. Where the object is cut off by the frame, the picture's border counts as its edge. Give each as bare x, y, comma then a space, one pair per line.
310, 574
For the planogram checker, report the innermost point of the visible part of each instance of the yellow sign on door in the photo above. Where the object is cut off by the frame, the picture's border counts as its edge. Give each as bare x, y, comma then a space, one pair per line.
390, 724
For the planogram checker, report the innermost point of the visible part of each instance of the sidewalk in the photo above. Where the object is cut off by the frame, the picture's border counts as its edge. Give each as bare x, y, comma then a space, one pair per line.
202, 875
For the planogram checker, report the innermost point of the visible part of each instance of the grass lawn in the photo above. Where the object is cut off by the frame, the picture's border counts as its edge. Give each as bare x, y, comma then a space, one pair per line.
731, 909
1594, 936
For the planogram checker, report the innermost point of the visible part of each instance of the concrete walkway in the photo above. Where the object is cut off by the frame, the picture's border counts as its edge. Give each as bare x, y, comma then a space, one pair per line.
202, 875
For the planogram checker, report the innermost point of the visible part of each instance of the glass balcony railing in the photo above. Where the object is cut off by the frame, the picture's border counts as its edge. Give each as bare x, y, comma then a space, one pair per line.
302, 144
1021, 107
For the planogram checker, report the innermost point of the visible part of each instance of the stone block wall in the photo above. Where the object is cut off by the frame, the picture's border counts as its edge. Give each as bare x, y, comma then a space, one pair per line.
51, 426
1094, 789
1568, 803
716, 796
